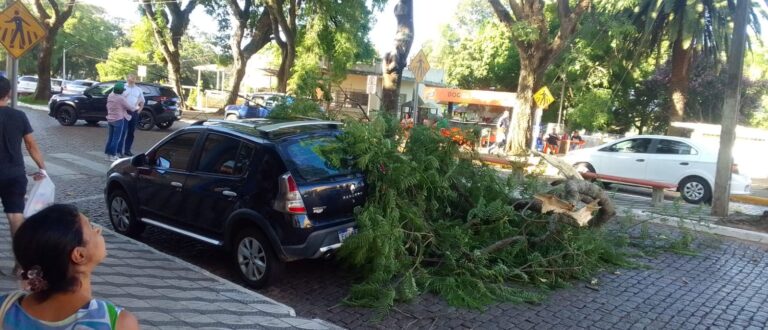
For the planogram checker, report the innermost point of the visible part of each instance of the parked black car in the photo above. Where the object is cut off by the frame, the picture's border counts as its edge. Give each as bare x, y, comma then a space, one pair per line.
160, 109
257, 188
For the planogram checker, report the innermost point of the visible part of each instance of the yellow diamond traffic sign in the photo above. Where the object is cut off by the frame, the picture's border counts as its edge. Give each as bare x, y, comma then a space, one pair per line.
19, 30
543, 97
419, 66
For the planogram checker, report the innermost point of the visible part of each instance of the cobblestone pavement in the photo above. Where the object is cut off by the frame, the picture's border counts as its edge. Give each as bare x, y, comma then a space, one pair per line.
721, 287
165, 292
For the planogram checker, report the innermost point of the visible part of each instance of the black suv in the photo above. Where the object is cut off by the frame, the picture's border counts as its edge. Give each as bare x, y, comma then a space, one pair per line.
160, 106
257, 187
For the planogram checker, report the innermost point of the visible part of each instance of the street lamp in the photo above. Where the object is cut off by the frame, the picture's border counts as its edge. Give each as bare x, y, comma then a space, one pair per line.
64, 62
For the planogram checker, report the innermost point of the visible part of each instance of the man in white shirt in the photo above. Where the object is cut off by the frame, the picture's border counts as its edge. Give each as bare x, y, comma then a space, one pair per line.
135, 97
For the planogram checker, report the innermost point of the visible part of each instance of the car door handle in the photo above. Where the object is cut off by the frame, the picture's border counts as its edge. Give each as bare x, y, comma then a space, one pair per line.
639, 160
229, 193
177, 184
684, 163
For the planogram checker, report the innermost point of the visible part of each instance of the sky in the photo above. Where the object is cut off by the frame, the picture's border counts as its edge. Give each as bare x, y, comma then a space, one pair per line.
429, 16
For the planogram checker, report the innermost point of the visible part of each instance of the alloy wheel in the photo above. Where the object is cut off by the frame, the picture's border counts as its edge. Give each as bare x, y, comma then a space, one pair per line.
252, 259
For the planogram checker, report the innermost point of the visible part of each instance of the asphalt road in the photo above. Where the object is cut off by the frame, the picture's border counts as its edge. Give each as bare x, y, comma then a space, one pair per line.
677, 292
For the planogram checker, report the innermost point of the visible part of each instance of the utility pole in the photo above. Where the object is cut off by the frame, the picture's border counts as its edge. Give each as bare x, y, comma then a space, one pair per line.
12, 69
722, 191
64, 62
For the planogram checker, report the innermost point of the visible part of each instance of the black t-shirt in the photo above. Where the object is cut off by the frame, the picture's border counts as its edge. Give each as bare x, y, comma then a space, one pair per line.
576, 138
553, 138
14, 125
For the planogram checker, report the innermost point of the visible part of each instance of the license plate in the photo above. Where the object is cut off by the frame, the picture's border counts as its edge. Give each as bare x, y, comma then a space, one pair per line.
345, 233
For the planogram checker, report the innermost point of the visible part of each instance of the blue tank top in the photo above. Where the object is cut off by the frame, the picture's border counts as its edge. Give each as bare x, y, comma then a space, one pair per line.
97, 314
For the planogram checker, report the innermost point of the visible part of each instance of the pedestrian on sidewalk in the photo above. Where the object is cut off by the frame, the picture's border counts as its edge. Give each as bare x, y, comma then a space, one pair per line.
15, 128
135, 97
117, 117
58, 249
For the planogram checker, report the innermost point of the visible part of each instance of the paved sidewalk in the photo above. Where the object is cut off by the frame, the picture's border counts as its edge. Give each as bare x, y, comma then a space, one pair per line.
165, 292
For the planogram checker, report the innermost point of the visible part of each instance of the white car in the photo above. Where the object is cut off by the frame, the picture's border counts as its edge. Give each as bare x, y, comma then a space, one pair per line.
77, 86
667, 159
26, 84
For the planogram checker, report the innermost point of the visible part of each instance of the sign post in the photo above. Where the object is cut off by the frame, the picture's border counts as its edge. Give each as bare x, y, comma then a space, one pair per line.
371, 88
19, 32
543, 99
419, 66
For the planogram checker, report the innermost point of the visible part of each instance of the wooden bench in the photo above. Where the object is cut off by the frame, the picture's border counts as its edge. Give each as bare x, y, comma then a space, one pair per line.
658, 187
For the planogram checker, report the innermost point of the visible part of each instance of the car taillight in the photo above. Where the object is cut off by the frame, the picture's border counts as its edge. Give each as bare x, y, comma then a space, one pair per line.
735, 168
292, 201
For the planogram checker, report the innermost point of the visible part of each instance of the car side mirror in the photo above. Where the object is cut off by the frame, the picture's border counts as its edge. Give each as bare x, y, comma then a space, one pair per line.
139, 160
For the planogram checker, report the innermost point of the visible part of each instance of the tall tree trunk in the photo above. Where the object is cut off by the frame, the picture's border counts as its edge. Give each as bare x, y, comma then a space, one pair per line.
721, 192
52, 24
539, 53
43, 89
288, 56
396, 60
260, 37
169, 37
678, 85
284, 30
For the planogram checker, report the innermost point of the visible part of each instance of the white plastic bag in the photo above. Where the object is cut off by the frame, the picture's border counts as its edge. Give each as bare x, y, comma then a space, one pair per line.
42, 195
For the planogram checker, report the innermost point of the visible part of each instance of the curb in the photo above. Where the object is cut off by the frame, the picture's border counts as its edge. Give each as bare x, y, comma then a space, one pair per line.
742, 234
749, 199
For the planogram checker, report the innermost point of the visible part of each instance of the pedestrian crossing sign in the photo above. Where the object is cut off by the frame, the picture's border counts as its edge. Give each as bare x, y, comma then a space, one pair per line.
543, 97
19, 30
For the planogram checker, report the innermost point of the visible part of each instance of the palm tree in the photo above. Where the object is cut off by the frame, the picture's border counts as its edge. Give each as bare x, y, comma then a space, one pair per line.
687, 27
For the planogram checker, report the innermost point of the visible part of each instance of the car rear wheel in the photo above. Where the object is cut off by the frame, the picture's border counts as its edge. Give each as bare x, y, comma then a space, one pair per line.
146, 120
695, 190
164, 125
122, 216
255, 259
66, 116
231, 117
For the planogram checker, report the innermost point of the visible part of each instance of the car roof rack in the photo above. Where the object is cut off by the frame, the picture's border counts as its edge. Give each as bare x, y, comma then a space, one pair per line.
280, 126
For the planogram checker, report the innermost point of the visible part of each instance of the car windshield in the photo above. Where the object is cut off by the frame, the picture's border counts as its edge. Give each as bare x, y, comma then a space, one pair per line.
305, 157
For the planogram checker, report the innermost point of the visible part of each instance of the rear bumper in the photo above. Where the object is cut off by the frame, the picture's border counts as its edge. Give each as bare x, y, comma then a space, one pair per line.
317, 244
740, 184
168, 115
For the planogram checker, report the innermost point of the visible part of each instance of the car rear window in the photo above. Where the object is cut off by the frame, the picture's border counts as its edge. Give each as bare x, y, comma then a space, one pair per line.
167, 92
303, 156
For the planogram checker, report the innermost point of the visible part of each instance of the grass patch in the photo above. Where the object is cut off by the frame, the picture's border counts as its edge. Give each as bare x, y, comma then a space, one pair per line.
30, 99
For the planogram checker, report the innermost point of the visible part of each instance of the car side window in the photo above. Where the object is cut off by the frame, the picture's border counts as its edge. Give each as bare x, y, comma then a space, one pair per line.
225, 156
674, 148
629, 146
175, 153
145, 89
100, 90
219, 155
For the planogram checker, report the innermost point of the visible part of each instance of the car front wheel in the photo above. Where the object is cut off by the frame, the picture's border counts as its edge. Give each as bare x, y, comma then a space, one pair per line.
66, 116
255, 259
146, 121
695, 190
122, 215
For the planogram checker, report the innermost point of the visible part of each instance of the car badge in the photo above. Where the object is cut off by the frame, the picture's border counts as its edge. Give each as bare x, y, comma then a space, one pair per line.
318, 209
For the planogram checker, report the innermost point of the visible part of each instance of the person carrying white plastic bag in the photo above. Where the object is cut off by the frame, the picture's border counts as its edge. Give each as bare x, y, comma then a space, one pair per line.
43, 194
15, 129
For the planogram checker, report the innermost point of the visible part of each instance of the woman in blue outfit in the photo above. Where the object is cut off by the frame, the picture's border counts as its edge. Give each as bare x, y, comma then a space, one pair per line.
57, 250
117, 116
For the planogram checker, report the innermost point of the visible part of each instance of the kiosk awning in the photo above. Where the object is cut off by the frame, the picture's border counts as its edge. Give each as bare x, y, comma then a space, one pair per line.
445, 95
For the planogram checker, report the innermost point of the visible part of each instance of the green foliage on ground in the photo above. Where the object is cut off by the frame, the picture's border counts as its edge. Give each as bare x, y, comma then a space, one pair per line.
430, 214
298, 109
30, 99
